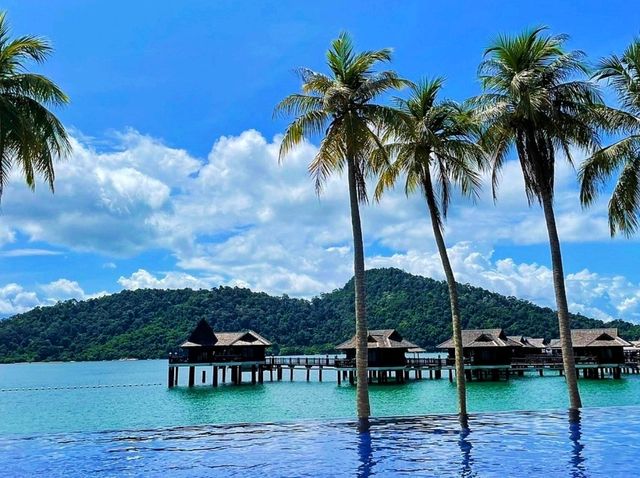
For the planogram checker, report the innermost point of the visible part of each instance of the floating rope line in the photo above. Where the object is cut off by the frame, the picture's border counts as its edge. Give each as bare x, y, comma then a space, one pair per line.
78, 387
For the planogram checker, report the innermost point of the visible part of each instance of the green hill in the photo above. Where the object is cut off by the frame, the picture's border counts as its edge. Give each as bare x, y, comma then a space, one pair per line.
149, 323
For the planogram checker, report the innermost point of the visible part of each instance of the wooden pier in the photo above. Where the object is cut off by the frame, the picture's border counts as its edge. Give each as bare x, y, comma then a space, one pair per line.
275, 368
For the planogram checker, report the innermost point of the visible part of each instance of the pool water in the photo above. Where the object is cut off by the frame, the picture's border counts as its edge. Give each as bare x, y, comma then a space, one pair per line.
112, 419
604, 443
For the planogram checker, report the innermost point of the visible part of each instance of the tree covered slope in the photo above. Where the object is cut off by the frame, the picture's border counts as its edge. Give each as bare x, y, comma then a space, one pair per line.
149, 323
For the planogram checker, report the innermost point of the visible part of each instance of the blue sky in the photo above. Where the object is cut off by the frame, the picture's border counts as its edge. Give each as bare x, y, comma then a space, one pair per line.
174, 180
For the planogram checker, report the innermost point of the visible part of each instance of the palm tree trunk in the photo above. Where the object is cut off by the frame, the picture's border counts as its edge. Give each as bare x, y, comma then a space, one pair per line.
453, 300
362, 352
568, 360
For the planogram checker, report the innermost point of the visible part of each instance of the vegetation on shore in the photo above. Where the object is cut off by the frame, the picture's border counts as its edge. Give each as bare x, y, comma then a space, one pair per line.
148, 323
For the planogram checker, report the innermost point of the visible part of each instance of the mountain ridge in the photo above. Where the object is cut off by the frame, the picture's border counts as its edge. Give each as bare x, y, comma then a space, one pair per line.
148, 323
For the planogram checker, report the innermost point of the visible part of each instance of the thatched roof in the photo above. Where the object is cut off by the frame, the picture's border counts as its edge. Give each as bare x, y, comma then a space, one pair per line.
238, 339
528, 342
593, 338
480, 338
380, 339
203, 336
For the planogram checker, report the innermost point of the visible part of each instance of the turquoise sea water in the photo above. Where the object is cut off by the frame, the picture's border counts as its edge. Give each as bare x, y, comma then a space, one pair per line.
120, 419
97, 396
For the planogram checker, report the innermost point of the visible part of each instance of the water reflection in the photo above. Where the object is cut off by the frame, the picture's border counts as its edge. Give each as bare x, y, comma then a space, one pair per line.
365, 455
576, 463
465, 450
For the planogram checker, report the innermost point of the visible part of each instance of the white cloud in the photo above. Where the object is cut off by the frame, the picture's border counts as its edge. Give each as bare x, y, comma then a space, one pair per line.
28, 252
15, 299
142, 279
240, 217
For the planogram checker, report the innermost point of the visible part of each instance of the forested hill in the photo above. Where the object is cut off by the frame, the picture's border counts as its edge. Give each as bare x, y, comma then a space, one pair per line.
149, 323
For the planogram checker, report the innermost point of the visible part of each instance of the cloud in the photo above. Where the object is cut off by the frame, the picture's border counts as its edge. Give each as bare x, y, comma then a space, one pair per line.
15, 298
28, 252
104, 201
142, 279
238, 216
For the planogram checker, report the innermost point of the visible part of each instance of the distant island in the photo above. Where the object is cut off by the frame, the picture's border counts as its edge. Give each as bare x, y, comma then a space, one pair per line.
149, 323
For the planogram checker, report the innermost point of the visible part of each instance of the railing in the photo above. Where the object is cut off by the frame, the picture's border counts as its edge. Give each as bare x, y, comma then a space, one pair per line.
340, 362
300, 361
431, 362
178, 359
549, 361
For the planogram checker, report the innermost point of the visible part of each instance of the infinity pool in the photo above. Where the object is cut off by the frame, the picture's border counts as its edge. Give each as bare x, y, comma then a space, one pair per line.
113, 419
604, 443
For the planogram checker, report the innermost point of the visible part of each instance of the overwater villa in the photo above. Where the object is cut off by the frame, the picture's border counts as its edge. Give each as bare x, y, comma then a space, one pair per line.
484, 347
529, 346
387, 351
601, 347
488, 354
632, 351
237, 350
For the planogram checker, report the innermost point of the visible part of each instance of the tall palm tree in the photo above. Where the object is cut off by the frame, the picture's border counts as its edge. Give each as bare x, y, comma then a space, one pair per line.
31, 137
535, 100
339, 107
623, 75
436, 138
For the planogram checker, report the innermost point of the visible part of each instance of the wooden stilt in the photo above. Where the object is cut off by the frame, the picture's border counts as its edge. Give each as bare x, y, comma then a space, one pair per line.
224, 374
176, 374
320, 374
339, 378
541, 373
308, 372
239, 374
170, 378
271, 373
291, 374
451, 375
260, 374
351, 378
215, 376
430, 374
253, 375
192, 376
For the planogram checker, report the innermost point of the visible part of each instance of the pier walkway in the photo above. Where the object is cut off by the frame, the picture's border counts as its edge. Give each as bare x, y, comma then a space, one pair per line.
419, 367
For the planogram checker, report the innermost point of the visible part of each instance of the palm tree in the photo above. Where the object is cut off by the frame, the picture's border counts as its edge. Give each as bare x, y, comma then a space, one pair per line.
535, 101
339, 107
436, 138
623, 74
31, 137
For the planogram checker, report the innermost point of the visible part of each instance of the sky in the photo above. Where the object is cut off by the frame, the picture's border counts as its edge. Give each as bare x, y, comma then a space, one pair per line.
174, 178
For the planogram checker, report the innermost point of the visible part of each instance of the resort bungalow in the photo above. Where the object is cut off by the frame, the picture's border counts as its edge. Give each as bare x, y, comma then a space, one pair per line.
632, 352
205, 346
387, 349
238, 350
484, 347
602, 346
529, 346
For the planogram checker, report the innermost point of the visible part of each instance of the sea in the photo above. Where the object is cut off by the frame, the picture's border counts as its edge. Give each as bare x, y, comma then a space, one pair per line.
113, 419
